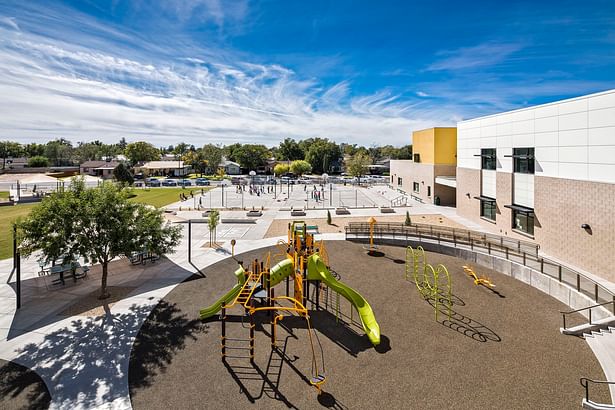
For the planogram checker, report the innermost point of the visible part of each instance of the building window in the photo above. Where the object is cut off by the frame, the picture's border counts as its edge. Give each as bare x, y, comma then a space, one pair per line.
523, 222
415, 187
488, 158
417, 157
399, 181
428, 191
523, 160
487, 210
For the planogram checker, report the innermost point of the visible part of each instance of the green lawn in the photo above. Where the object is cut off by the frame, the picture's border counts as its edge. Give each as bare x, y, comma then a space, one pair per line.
8, 214
155, 196
163, 196
4, 194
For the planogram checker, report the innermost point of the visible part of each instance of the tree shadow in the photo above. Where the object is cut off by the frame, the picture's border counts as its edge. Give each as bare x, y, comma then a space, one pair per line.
84, 364
22, 388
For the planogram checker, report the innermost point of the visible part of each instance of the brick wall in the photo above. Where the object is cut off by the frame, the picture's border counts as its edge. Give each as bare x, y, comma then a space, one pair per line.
562, 205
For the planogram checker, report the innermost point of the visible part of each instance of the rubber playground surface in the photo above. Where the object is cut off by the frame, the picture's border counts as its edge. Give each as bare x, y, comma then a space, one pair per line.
499, 350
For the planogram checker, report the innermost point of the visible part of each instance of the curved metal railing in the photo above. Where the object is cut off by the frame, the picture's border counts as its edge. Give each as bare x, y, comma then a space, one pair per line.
516, 250
585, 382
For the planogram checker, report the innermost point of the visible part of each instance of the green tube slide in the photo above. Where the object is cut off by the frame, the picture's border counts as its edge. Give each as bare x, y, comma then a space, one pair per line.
317, 270
227, 298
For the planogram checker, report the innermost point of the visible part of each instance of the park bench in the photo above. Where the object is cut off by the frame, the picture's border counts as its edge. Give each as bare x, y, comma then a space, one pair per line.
297, 212
342, 211
386, 210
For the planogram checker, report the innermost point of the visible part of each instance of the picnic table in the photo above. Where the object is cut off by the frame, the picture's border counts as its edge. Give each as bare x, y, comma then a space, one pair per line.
67, 270
141, 257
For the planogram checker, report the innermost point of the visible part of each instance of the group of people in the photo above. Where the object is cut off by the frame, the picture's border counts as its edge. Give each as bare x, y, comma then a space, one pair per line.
254, 189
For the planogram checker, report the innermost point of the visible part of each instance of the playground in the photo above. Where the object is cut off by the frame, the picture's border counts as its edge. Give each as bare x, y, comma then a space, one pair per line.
495, 341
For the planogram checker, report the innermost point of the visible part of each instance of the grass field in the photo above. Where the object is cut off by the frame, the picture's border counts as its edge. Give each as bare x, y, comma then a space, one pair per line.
162, 196
156, 196
4, 194
8, 214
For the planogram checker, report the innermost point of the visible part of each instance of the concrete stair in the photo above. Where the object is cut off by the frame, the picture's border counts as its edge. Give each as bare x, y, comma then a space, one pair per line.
602, 343
588, 328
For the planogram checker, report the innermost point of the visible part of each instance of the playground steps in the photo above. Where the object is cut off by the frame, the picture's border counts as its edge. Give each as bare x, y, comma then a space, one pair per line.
602, 343
587, 328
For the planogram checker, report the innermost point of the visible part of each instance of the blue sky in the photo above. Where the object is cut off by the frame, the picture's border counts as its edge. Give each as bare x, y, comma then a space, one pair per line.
246, 71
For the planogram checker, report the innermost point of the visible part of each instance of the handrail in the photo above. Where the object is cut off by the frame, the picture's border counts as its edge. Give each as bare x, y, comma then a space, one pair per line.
585, 383
585, 308
520, 251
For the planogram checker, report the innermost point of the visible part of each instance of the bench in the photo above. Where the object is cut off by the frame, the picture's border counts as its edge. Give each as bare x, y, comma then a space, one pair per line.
297, 212
254, 213
387, 210
342, 211
237, 221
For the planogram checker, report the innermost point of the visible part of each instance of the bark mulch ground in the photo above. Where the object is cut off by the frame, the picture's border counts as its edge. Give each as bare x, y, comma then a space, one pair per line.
498, 350
21, 388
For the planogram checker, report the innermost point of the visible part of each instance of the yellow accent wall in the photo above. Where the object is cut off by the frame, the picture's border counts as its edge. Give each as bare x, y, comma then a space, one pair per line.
446, 146
436, 145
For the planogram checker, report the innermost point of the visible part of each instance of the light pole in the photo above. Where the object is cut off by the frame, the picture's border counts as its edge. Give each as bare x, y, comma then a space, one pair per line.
324, 181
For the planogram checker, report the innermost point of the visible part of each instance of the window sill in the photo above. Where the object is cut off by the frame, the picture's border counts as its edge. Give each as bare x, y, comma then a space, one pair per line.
488, 220
523, 233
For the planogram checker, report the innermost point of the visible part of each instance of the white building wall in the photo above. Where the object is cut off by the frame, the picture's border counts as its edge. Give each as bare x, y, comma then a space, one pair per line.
489, 183
573, 139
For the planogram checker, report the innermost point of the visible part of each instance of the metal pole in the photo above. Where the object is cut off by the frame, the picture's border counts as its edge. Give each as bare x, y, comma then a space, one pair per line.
330, 194
18, 278
222, 195
252, 334
189, 240
223, 326
14, 246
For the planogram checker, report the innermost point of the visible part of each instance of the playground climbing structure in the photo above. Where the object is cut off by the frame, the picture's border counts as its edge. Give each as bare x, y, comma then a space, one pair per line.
432, 283
301, 260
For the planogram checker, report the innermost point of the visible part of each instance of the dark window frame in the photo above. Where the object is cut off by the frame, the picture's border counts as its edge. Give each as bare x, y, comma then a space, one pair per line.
523, 160
529, 219
416, 187
488, 159
488, 210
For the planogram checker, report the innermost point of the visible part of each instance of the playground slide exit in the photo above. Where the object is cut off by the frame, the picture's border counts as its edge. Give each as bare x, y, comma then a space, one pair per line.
227, 298
317, 270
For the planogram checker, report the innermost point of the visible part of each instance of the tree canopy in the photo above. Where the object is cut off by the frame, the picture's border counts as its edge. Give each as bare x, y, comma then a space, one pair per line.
122, 174
98, 224
281, 169
300, 167
289, 150
141, 151
357, 165
249, 156
321, 154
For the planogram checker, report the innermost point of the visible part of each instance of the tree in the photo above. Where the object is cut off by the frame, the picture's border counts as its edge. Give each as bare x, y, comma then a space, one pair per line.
214, 219
34, 149
196, 160
212, 155
10, 149
141, 151
98, 223
250, 156
122, 174
280, 169
357, 165
59, 152
38, 161
408, 221
300, 167
290, 150
321, 154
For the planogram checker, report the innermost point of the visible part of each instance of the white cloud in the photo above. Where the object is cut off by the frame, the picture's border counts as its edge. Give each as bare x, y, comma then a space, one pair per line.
422, 94
482, 55
54, 89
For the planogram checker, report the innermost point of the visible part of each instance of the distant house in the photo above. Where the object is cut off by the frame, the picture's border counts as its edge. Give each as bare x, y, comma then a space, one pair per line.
164, 168
230, 167
101, 169
381, 167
